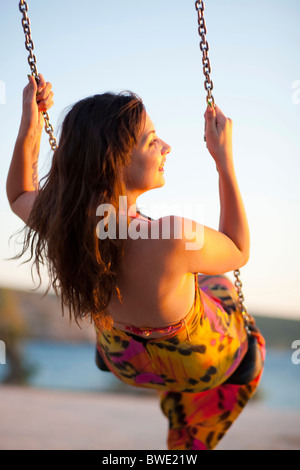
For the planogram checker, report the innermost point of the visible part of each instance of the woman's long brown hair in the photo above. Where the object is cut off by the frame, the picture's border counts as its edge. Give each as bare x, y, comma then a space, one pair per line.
97, 138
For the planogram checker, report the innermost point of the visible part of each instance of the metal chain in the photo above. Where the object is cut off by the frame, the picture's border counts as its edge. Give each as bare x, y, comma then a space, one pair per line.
23, 7
208, 85
243, 309
204, 47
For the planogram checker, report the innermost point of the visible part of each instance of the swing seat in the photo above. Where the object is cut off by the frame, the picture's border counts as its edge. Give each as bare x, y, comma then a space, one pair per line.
251, 365
100, 362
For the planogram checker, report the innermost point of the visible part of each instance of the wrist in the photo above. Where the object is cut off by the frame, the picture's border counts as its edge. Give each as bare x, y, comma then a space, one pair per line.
225, 171
29, 137
29, 143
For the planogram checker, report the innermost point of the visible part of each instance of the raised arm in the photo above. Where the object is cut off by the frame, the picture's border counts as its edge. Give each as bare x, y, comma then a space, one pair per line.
233, 218
22, 179
200, 248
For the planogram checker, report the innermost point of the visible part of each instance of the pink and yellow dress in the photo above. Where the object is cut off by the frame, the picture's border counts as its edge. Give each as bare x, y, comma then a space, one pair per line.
190, 364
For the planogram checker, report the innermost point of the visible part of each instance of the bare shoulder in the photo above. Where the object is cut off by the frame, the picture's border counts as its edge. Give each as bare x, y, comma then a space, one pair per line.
190, 246
180, 231
198, 248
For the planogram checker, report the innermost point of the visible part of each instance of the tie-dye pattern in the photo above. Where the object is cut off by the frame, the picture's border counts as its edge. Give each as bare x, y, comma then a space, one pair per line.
189, 368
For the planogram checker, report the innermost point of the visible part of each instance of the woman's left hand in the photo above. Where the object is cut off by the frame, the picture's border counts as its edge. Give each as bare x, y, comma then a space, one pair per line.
36, 98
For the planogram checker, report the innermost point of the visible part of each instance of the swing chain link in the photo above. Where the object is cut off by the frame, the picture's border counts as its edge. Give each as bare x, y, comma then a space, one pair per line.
23, 7
242, 307
208, 85
204, 47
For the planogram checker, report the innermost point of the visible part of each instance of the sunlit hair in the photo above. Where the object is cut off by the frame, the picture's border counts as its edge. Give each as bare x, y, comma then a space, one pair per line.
97, 138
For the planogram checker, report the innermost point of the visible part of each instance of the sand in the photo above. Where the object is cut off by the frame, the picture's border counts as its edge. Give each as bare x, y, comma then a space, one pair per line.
41, 419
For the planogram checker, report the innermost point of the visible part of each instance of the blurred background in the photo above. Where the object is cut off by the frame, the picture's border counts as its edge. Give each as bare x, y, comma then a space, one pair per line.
153, 50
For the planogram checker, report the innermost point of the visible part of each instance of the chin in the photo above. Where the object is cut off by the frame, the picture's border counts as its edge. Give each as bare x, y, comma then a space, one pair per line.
161, 184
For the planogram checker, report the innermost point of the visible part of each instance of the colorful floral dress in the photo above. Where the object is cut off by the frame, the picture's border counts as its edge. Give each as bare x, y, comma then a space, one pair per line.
190, 364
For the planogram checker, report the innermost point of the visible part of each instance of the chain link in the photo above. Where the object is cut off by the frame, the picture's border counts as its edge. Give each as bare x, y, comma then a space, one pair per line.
23, 7
204, 47
242, 307
208, 85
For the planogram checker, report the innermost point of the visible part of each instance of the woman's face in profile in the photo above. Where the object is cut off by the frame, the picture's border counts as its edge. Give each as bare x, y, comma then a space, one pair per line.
146, 170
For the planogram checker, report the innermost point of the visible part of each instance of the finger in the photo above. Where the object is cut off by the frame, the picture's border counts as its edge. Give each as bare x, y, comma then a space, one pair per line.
46, 108
42, 82
218, 111
205, 125
44, 93
31, 83
29, 91
46, 104
210, 123
221, 118
210, 112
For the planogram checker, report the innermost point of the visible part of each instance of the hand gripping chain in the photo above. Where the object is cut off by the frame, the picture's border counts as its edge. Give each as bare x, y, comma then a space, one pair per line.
23, 7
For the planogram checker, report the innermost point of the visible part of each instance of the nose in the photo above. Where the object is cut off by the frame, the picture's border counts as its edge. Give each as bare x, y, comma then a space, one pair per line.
165, 148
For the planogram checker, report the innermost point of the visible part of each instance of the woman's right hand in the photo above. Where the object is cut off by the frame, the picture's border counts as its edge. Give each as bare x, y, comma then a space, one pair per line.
36, 98
218, 133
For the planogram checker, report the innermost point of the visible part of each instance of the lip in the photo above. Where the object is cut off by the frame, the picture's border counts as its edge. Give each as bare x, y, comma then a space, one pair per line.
161, 168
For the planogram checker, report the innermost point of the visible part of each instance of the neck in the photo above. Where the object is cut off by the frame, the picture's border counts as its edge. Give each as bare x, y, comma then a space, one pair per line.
131, 203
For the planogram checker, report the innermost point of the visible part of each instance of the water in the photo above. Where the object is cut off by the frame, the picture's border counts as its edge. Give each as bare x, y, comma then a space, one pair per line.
280, 384
67, 366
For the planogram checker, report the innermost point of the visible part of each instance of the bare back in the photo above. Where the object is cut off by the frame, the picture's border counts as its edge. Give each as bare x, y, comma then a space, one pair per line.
155, 291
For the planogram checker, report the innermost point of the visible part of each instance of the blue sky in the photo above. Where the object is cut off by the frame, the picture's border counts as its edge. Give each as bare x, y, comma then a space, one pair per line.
152, 48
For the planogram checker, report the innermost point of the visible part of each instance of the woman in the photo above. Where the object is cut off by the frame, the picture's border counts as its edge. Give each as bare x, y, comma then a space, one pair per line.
159, 323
